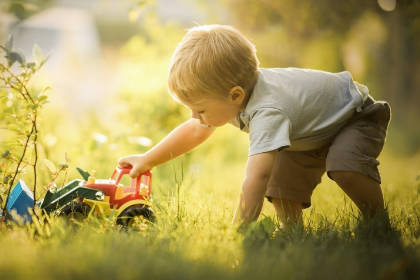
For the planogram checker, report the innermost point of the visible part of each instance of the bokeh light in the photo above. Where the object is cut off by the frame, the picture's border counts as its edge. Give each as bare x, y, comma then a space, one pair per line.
387, 5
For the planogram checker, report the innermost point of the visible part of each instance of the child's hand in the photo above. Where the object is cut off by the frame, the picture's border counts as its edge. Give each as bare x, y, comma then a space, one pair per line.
138, 163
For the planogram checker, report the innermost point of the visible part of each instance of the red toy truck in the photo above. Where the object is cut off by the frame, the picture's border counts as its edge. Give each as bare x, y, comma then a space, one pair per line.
130, 203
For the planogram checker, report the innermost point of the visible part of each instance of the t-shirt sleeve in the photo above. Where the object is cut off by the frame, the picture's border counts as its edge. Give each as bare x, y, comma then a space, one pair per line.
269, 130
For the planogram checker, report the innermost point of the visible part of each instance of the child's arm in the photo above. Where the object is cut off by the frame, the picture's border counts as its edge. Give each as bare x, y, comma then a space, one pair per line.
258, 171
181, 140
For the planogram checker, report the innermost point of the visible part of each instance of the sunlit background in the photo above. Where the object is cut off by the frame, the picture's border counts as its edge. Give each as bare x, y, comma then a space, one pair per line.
108, 64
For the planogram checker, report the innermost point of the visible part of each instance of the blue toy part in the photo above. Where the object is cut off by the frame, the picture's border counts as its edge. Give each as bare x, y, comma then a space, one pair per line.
21, 199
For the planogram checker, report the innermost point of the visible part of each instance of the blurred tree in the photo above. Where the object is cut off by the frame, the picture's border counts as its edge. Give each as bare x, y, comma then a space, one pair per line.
143, 65
316, 34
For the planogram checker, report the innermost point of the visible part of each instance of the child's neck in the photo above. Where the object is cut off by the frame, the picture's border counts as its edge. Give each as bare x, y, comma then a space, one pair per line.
248, 95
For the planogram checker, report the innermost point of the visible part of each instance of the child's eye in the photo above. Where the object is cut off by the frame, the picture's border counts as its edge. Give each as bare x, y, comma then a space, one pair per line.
200, 112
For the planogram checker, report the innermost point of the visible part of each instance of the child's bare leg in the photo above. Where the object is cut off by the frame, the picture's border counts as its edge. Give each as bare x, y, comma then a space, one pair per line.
289, 212
362, 190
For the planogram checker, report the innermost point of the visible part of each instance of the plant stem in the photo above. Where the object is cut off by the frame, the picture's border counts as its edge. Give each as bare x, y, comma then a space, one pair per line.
16, 172
36, 155
22, 84
13, 87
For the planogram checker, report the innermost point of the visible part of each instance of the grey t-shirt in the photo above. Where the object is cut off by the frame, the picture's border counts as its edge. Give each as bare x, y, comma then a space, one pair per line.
298, 109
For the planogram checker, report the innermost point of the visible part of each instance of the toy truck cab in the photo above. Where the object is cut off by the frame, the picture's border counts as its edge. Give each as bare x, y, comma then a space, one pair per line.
118, 195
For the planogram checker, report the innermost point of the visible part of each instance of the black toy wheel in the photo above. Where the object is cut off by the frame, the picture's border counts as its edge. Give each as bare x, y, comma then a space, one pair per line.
75, 210
135, 214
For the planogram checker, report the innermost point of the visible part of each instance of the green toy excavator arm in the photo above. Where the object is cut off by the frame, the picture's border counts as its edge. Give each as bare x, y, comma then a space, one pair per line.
55, 199
85, 174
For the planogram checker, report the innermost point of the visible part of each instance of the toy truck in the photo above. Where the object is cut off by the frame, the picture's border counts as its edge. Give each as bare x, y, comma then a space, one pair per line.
101, 196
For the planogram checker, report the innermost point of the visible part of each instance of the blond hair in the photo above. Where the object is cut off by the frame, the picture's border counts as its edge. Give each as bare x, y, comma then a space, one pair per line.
209, 61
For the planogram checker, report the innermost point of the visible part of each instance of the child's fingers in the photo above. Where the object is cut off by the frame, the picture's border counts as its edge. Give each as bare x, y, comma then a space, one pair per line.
124, 165
137, 170
134, 172
125, 162
133, 161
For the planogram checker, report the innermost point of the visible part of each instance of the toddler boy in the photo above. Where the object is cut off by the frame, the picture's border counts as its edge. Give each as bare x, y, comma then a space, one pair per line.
301, 123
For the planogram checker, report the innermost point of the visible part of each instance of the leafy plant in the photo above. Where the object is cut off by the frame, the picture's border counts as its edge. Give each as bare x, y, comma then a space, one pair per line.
19, 118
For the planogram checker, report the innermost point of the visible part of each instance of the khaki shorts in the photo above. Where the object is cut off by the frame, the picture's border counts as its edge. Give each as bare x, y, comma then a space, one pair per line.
355, 148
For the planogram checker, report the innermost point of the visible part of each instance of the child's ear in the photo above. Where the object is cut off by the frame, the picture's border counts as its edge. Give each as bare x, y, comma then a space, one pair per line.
237, 95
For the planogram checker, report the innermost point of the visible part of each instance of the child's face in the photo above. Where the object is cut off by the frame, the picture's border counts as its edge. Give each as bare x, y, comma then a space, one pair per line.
214, 112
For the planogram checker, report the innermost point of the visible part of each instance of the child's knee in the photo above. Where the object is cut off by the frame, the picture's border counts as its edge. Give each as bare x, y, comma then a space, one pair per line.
344, 177
349, 178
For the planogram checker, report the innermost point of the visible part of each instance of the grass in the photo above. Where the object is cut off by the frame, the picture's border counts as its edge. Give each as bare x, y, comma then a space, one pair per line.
193, 237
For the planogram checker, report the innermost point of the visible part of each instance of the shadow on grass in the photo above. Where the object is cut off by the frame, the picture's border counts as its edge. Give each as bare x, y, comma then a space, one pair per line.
346, 248
364, 249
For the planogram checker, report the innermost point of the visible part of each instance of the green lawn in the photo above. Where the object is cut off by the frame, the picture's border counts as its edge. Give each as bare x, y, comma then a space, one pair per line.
193, 238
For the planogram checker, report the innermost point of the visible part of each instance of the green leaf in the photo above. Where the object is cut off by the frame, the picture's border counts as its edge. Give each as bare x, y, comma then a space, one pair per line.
43, 62
18, 10
9, 43
13, 56
30, 64
5, 154
63, 165
38, 55
42, 99
6, 179
51, 166
30, 107
45, 89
